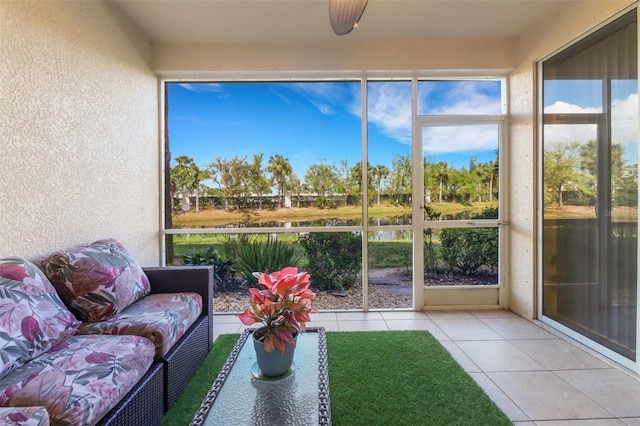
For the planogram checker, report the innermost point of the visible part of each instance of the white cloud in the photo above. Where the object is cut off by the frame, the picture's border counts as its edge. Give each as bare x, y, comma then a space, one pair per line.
450, 139
390, 109
624, 116
202, 87
322, 95
466, 97
560, 107
625, 120
324, 108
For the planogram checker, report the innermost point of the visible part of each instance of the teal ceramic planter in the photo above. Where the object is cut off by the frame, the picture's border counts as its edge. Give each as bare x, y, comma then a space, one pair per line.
272, 364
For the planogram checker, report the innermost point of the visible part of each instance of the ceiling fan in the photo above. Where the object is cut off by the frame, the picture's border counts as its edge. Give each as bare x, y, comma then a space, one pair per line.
345, 14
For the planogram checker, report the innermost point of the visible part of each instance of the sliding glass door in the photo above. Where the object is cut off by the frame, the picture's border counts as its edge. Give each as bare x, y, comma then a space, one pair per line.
590, 187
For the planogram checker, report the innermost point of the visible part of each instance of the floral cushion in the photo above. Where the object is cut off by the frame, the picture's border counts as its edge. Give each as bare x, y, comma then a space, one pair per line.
162, 318
33, 319
81, 380
98, 280
24, 416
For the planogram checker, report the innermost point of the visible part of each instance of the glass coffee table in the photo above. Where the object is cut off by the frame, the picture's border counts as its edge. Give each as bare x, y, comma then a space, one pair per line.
240, 397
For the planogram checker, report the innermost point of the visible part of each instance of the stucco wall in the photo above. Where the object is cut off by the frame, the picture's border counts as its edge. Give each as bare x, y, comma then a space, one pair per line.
543, 39
78, 130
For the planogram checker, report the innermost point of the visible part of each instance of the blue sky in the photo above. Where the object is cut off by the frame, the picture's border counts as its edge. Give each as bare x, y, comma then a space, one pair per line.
312, 122
585, 96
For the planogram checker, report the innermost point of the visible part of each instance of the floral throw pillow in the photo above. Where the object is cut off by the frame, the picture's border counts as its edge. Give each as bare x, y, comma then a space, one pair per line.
98, 280
33, 319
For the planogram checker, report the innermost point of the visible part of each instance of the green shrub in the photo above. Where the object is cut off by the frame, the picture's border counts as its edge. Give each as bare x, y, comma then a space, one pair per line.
469, 249
487, 213
223, 275
334, 259
259, 255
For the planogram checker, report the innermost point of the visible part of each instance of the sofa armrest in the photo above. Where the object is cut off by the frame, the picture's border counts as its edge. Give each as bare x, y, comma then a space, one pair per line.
179, 279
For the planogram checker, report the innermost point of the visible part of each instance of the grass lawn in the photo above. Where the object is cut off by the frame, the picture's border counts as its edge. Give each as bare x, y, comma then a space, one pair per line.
375, 378
382, 254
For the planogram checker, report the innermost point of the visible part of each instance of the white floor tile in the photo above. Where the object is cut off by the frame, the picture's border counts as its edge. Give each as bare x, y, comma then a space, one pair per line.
355, 325
558, 354
448, 314
328, 325
427, 325
614, 390
466, 329
492, 313
542, 395
404, 315
223, 319
499, 355
582, 422
359, 316
517, 328
465, 362
503, 402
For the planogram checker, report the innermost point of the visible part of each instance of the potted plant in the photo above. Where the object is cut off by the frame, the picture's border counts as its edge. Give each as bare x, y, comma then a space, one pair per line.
282, 303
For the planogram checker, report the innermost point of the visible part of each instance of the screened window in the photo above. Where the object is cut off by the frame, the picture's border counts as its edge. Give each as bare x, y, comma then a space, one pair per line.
263, 175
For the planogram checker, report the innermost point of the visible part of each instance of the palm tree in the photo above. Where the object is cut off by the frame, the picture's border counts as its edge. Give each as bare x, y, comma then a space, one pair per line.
296, 186
380, 172
280, 170
480, 171
184, 176
442, 173
494, 169
258, 183
201, 174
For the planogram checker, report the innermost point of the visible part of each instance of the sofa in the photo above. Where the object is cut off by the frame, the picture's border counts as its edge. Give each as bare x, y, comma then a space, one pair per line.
89, 337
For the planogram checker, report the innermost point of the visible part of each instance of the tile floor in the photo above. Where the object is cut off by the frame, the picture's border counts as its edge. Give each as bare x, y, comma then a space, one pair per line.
535, 377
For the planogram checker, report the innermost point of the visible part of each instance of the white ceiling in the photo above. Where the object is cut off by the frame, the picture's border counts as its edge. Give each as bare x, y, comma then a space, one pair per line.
290, 21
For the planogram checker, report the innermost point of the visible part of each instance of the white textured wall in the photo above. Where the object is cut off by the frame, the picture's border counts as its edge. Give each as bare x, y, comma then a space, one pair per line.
78, 130
538, 42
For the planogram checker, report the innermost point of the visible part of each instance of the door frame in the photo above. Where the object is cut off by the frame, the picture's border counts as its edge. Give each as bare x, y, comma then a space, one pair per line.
460, 296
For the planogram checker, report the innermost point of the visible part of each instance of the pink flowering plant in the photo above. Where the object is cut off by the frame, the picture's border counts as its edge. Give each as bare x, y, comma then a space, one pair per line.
282, 303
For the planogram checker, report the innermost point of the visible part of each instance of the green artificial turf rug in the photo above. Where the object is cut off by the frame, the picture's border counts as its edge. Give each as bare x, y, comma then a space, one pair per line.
375, 378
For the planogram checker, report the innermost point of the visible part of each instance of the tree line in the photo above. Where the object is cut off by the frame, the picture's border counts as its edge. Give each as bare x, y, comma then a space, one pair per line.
241, 183
571, 175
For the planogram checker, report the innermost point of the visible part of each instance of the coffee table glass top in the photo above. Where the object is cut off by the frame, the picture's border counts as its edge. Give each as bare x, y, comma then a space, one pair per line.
237, 397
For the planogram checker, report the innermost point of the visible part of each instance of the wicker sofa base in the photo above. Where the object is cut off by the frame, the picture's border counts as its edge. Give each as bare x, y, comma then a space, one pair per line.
184, 359
143, 405
187, 354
